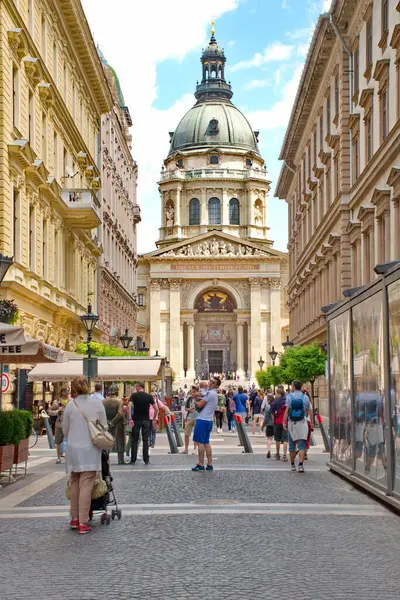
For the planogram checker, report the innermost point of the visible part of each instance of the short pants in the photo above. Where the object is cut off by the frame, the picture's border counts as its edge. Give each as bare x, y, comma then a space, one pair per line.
202, 431
301, 445
280, 434
269, 431
58, 435
189, 426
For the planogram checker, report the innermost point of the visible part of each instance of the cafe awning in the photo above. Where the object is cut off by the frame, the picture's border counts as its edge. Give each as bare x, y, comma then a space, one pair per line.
31, 352
109, 369
11, 335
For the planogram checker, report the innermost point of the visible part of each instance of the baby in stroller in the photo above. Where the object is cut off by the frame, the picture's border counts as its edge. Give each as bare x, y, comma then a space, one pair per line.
108, 499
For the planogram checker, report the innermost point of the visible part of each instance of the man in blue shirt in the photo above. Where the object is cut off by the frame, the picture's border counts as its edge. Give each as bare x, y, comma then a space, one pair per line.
242, 404
298, 407
206, 407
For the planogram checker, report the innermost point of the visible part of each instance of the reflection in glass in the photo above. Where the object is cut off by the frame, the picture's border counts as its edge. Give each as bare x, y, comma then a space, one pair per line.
368, 369
394, 341
339, 344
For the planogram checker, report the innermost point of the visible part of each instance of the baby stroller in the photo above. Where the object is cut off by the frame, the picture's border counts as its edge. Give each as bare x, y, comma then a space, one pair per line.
109, 499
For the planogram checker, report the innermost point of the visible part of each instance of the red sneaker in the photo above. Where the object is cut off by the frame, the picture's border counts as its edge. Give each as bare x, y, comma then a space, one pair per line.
84, 529
74, 524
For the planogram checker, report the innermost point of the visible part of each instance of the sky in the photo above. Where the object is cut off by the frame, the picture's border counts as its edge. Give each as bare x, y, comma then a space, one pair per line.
155, 47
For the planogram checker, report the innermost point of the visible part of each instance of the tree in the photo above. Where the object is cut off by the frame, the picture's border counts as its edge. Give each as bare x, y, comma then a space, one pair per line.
106, 350
269, 378
304, 363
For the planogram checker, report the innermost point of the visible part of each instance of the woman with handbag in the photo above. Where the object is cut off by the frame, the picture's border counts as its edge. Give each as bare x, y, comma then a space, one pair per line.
83, 457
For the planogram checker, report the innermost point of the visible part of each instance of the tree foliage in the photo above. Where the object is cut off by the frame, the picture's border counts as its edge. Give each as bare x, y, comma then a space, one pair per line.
9, 312
106, 350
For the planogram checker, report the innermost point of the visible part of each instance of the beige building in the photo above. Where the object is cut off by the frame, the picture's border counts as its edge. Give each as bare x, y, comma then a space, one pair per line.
341, 153
120, 215
213, 293
52, 93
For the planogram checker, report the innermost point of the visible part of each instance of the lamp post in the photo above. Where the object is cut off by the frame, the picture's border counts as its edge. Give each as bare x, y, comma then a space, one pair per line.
288, 343
126, 341
90, 321
261, 363
5, 264
273, 354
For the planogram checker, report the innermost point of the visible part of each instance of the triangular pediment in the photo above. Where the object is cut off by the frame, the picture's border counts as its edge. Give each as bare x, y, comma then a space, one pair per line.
214, 245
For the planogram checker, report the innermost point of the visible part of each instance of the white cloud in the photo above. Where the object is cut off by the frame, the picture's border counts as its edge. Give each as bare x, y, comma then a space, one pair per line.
149, 33
275, 52
257, 83
299, 34
327, 5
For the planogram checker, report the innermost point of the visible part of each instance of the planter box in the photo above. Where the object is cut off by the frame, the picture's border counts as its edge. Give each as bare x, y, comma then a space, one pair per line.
21, 452
6, 457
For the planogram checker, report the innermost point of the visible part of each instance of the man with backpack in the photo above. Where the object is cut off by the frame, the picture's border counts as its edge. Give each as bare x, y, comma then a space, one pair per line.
298, 407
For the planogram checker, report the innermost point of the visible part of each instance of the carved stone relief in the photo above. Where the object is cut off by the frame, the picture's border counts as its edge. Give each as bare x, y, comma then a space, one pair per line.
215, 248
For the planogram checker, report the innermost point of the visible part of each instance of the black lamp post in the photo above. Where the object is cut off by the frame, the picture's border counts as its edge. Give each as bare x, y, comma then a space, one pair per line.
90, 321
288, 343
261, 363
5, 264
126, 339
273, 354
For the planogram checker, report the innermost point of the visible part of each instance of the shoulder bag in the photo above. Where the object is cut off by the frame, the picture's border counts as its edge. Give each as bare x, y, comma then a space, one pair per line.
101, 438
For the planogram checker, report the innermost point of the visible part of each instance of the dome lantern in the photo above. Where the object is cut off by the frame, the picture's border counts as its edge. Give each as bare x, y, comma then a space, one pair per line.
213, 84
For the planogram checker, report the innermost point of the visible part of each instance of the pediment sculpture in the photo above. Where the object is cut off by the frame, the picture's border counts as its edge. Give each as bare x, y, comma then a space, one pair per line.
215, 248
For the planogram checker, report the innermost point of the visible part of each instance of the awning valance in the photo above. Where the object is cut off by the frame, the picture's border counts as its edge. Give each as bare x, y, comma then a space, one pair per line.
31, 352
11, 335
109, 369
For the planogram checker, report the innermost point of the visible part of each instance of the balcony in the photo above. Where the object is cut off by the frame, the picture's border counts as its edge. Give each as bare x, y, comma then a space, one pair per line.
241, 174
136, 214
83, 208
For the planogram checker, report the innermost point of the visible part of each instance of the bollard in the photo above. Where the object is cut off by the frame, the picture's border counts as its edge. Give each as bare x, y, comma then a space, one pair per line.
49, 432
243, 434
239, 430
177, 433
324, 434
171, 438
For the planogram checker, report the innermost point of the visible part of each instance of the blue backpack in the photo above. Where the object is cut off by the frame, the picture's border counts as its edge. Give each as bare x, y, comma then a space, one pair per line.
296, 410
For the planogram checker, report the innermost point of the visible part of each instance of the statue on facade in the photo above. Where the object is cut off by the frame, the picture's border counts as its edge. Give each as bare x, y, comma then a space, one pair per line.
214, 248
257, 215
169, 216
230, 250
206, 249
223, 249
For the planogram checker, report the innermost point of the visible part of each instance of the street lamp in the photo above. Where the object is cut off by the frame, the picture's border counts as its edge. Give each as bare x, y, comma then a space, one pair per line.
261, 363
273, 354
90, 321
5, 264
288, 343
126, 339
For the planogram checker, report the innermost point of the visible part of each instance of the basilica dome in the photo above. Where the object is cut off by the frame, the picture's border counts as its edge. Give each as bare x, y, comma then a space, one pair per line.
218, 124
213, 121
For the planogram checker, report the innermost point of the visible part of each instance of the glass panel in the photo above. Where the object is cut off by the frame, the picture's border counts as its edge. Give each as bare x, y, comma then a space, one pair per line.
340, 388
214, 211
194, 212
368, 368
394, 339
234, 211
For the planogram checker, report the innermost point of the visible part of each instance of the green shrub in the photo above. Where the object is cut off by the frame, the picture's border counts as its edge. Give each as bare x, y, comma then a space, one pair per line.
15, 425
27, 421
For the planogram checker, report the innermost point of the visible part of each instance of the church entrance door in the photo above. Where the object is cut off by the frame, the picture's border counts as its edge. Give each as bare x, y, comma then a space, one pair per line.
215, 361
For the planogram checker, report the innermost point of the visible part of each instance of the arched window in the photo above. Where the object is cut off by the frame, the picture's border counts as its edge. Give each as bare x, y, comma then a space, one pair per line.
234, 212
194, 212
214, 211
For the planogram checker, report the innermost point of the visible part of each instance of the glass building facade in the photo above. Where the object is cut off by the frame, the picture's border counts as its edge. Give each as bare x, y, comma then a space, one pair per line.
364, 382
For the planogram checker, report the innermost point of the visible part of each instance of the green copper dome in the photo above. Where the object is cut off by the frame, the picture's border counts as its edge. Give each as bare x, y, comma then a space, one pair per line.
214, 123
213, 120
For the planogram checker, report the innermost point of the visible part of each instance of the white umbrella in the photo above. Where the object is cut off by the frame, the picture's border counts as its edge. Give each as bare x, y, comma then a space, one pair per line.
11, 335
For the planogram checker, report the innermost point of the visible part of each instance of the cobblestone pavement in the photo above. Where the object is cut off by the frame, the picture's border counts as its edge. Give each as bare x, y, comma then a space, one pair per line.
251, 530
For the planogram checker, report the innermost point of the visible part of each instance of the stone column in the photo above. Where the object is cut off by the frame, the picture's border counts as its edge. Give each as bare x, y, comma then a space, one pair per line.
387, 235
190, 342
255, 325
178, 206
275, 295
155, 324
372, 274
225, 208
240, 353
175, 341
203, 208
395, 229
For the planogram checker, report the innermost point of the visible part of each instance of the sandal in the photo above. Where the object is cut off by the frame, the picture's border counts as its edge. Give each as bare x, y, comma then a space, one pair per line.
285, 458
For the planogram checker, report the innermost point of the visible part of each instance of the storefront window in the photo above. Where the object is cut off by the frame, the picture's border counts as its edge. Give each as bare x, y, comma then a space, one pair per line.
368, 369
394, 341
340, 397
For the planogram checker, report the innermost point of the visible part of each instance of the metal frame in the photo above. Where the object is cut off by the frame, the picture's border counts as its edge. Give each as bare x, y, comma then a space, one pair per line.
379, 286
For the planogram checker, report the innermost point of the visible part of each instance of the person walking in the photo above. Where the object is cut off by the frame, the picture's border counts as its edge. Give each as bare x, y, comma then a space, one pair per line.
154, 417
83, 458
116, 420
268, 423
278, 408
295, 421
256, 404
56, 412
191, 416
98, 392
204, 424
230, 410
141, 423
241, 404
220, 411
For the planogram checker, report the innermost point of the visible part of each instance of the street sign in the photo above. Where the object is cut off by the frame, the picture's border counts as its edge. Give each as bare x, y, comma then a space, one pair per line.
5, 383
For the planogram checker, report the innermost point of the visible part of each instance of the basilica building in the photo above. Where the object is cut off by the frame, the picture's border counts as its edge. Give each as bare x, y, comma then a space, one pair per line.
212, 296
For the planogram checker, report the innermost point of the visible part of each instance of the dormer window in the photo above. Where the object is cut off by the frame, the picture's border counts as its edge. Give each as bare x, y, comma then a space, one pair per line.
179, 163
249, 162
214, 159
213, 128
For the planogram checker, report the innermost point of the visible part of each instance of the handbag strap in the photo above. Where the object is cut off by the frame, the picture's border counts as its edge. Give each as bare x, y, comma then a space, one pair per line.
80, 410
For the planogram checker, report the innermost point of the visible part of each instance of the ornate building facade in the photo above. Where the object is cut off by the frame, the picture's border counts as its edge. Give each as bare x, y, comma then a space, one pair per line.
52, 93
212, 294
120, 215
341, 153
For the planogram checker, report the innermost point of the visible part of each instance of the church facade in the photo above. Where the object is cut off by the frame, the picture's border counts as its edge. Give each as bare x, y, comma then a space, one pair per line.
212, 296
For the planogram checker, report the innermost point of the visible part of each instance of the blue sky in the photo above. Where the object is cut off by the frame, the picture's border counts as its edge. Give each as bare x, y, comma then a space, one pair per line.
156, 49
